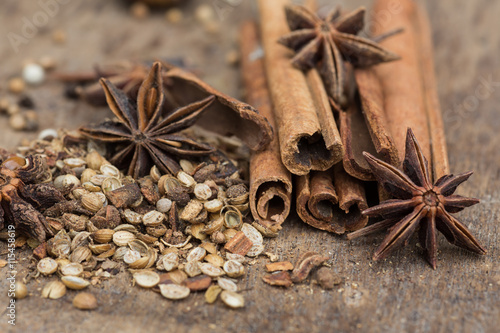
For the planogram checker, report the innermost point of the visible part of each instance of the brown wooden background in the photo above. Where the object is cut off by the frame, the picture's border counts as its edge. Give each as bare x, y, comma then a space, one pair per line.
399, 294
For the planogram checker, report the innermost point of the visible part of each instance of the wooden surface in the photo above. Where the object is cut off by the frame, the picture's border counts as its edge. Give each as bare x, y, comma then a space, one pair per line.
399, 294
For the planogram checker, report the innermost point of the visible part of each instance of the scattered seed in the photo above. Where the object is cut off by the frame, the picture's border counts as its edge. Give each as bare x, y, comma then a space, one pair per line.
85, 301
174, 291
210, 270
227, 284
74, 282
20, 290
212, 293
232, 299
146, 279
47, 266
54, 290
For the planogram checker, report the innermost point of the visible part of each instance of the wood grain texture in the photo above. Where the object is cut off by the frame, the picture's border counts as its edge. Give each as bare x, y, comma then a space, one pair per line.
400, 294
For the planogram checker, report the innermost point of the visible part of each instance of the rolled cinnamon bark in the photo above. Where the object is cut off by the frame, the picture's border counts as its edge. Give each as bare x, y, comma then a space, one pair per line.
270, 181
402, 81
304, 143
331, 200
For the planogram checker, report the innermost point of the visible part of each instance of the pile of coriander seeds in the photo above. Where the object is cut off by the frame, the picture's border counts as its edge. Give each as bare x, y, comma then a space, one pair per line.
175, 234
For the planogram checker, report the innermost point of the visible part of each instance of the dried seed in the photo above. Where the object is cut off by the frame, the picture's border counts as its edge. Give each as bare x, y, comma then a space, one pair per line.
157, 231
120, 253
98, 179
279, 266
110, 184
210, 247
174, 291
177, 276
100, 248
90, 187
47, 266
239, 244
110, 170
170, 261
232, 218
131, 256
163, 205
197, 231
229, 233
132, 217
139, 246
218, 237
191, 211
265, 230
187, 166
74, 162
54, 290
3, 263
80, 239
213, 206
213, 226
202, 192
94, 160
192, 268
185, 179
305, 263
20, 290
103, 235
232, 299
196, 254
197, 283
227, 284
128, 195
210, 270
255, 250
92, 202
215, 260
121, 238
233, 268
236, 257
74, 269
66, 182
16, 85
74, 282
153, 218
212, 293
85, 301
146, 279
59, 247
80, 254
281, 279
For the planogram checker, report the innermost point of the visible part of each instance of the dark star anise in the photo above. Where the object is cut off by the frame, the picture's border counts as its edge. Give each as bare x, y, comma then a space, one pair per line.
329, 42
146, 134
419, 203
22, 195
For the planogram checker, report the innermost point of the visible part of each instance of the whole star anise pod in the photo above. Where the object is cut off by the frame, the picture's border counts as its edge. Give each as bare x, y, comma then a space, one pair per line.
419, 203
22, 195
145, 133
328, 43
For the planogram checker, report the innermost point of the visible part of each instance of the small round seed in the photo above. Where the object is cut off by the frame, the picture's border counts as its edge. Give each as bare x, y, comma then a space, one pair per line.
185, 179
232, 299
214, 259
47, 266
74, 282
85, 301
202, 192
153, 218
192, 268
54, 290
121, 238
20, 290
163, 205
227, 284
146, 279
213, 206
210, 270
196, 254
73, 269
173, 291
233, 268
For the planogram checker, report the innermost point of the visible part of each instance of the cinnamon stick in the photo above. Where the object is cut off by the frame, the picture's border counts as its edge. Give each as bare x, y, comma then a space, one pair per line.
304, 144
402, 80
338, 213
270, 181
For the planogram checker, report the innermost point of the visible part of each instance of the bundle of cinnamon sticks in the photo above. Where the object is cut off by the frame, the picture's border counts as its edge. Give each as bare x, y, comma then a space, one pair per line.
318, 145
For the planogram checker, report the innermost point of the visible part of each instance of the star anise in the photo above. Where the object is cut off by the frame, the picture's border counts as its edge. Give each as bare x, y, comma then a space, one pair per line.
419, 203
146, 134
329, 42
22, 195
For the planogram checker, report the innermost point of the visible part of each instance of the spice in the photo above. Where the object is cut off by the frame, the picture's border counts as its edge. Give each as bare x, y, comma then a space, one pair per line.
329, 42
270, 181
306, 143
147, 138
305, 264
85, 301
418, 203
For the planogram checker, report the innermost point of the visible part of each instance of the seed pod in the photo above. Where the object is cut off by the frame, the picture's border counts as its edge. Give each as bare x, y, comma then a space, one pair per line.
234, 269
177, 276
121, 238
213, 206
54, 290
146, 279
227, 284
202, 192
120, 253
103, 235
163, 205
236, 257
168, 184
75, 282
80, 239
232, 299
187, 166
91, 202
131, 256
157, 231
169, 261
214, 259
98, 179
155, 174
66, 182
108, 253
196, 254
126, 227
139, 246
73, 269
85, 301
100, 248
20, 290
153, 218
146, 238
213, 226
173, 291
94, 160
80, 254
